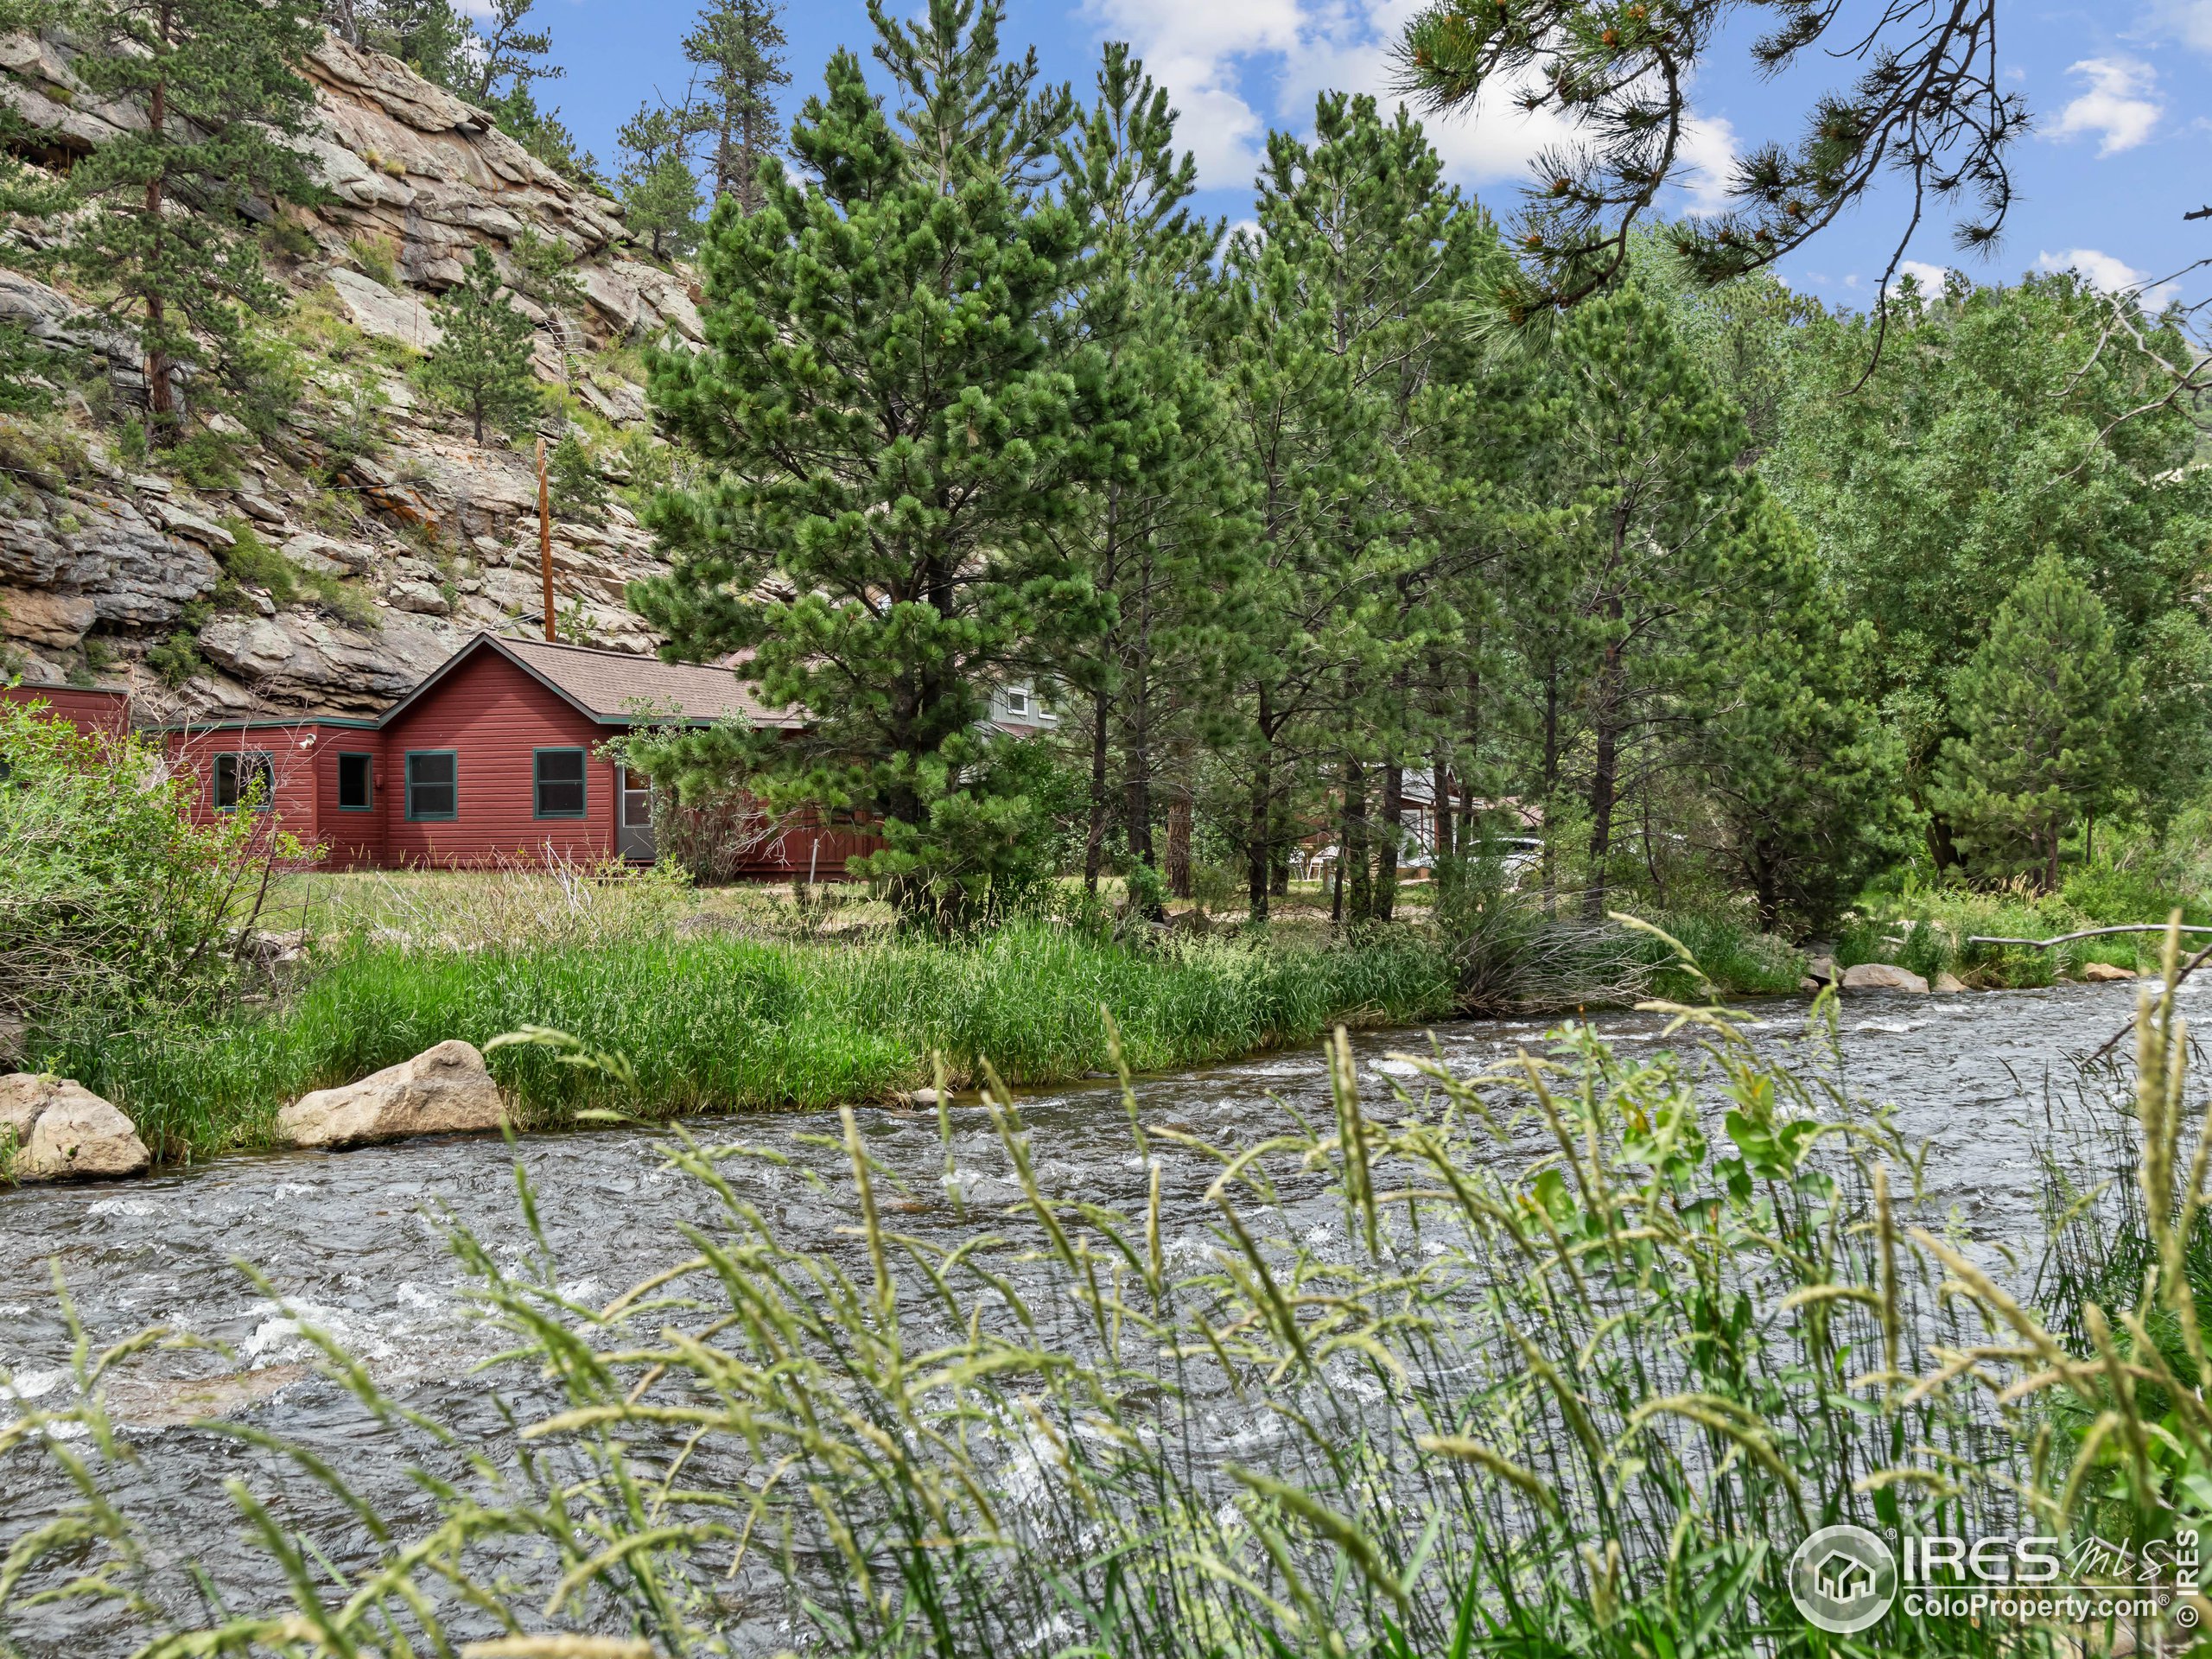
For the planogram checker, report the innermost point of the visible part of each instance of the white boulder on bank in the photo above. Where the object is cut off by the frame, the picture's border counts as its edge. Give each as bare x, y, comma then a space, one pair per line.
63, 1131
442, 1090
1882, 977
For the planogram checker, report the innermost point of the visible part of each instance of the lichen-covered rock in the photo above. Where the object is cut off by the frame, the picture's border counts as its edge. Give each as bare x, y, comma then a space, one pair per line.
61, 1131
442, 1090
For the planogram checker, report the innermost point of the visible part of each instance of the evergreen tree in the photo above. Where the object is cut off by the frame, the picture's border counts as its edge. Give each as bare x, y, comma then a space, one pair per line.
2042, 707
741, 45
573, 478
481, 363
432, 37
1339, 341
891, 420
1641, 452
659, 192
216, 90
507, 52
1802, 786
1160, 536
966, 111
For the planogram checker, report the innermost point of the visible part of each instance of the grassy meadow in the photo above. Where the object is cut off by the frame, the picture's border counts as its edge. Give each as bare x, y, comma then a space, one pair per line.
720, 1006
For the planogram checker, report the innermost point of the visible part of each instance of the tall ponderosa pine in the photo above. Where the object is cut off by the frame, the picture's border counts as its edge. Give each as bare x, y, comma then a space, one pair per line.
2043, 707
890, 416
1158, 535
1338, 322
739, 44
216, 87
659, 192
481, 364
1641, 448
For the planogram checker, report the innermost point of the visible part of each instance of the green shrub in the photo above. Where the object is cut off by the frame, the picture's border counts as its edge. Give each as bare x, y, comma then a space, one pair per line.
109, 892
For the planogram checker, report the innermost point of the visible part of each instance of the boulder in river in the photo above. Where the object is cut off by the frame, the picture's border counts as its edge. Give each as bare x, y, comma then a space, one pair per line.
1949, 983
1882, 977
63, 1130
1821, 969
2099, 973
442, 1090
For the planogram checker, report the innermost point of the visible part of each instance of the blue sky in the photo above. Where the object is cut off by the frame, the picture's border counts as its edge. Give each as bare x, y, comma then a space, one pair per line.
2118, 152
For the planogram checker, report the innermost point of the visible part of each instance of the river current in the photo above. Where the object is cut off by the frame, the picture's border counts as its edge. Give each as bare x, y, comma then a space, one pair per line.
354, 1241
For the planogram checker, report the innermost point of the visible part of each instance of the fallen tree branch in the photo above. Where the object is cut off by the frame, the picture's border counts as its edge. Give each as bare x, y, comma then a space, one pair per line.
2086, 933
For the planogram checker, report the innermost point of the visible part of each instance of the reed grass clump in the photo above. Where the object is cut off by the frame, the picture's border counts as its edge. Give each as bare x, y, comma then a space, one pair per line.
1562, 1359
724, 1023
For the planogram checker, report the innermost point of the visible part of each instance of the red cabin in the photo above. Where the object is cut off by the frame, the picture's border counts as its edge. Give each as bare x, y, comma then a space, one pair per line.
496, 755
90, 709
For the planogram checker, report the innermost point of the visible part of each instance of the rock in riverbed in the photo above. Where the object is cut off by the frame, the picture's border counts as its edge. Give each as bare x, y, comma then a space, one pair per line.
442, 1090
63, 1130
1882, 977
2099, 973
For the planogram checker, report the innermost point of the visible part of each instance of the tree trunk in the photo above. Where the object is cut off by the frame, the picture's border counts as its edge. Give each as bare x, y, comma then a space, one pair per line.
160, 405
1603, 784
1352, 842
1258, 843
1392, 841
1440, 804
1179, 844
1094, 840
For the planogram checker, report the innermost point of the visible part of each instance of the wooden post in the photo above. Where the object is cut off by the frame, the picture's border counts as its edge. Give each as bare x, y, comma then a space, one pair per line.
545, 541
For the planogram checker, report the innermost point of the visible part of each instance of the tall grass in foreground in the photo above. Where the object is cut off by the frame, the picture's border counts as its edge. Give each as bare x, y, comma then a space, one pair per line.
724, 1023
1564, 1358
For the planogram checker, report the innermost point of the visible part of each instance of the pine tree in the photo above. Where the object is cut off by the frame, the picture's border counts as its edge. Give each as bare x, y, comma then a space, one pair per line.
885, 400
741, 45
660, 193
508, 51
1160, 537
482, 364
1804, 783
216, 86
1339, 341
2043, 707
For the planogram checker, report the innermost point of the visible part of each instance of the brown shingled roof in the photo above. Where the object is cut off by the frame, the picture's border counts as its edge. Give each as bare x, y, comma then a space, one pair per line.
610, 685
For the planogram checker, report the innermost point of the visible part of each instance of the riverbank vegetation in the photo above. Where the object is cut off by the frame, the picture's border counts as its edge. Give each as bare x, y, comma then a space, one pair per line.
722, 1024
1565, 1357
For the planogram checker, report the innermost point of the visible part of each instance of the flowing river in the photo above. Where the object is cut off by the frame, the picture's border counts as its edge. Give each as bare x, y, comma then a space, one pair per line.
353, 1241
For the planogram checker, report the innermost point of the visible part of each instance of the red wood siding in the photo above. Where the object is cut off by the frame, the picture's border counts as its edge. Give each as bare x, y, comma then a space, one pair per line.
351, 840
89, 711
294, 757
493, 717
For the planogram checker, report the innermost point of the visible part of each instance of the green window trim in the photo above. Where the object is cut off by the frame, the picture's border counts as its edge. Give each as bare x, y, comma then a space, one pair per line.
245, 766
580, 783
343, 755
451, 782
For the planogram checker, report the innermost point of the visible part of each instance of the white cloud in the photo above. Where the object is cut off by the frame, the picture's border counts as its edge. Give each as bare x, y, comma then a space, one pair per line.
1931, 277
1709, 149
2101, 270
2121, 105
2188, 21
1233, 68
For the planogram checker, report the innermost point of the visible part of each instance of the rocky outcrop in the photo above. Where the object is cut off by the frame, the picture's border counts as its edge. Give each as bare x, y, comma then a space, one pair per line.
1882, 977
406, 536
62, 1131
442, 1090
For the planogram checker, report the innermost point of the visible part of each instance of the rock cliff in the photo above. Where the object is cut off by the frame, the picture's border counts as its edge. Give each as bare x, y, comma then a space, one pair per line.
353, 551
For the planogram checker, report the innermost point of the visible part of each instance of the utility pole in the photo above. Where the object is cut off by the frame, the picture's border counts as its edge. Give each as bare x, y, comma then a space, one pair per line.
545, 541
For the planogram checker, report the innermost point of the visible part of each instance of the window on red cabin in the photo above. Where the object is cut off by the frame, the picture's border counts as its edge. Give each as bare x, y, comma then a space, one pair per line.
356, 782
247, 779
433, 783
560, 781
